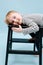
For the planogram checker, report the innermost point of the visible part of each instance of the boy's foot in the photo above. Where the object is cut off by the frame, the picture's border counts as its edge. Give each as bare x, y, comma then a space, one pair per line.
32, 40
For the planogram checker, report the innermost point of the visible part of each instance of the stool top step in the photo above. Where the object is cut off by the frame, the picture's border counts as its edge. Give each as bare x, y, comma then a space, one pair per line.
23, 25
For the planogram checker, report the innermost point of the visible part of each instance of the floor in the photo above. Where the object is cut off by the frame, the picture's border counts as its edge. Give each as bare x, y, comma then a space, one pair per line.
17, 59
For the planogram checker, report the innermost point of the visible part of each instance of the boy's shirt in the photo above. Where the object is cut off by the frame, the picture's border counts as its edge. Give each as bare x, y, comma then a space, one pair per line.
32, 20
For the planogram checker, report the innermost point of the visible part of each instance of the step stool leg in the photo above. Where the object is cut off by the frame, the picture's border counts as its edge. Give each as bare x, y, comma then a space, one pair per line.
11, 39
34, 46
40, 59
40, 48
6, 61
40, 55
7, 50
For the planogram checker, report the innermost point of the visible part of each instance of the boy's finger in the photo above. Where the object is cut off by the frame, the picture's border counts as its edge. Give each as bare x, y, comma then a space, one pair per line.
19, 26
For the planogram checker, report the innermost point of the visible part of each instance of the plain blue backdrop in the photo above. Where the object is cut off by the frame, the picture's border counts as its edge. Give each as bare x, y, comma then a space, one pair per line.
24, 7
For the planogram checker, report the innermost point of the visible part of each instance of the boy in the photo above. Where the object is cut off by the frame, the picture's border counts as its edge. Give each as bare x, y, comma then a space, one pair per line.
32, 20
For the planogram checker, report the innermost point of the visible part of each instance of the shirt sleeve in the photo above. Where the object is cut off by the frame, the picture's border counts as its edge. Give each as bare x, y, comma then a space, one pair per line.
33, 27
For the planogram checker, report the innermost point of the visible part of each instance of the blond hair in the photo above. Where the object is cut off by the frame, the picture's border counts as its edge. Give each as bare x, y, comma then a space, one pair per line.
7, 15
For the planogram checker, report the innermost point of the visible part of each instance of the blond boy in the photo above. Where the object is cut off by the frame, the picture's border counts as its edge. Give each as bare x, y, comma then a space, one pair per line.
32, 20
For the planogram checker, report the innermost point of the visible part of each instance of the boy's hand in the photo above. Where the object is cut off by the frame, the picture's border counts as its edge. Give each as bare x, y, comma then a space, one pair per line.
17, 29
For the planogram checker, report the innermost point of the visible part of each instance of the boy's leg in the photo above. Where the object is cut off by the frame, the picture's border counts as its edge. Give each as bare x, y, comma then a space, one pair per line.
33, 39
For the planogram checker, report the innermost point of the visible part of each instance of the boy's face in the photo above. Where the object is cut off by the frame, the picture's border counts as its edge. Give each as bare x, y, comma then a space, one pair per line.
15, 18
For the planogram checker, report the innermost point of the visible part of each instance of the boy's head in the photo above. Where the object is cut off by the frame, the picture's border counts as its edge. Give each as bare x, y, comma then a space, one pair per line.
13, 17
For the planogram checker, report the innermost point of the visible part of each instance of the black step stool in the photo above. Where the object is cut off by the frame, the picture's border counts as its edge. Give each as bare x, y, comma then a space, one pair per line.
37, 44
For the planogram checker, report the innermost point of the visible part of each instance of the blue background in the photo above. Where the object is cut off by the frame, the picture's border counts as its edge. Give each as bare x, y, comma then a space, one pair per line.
24, 7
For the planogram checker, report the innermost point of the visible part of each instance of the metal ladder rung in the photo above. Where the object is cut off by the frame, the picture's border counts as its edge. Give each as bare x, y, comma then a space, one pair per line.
21, 40
23, 52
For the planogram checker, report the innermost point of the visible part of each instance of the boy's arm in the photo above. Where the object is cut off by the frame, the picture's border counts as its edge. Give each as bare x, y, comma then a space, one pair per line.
33, 27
